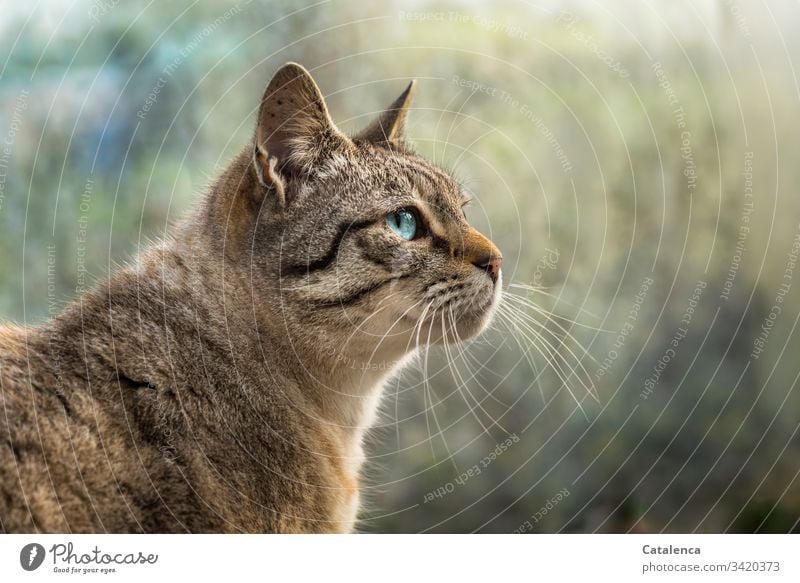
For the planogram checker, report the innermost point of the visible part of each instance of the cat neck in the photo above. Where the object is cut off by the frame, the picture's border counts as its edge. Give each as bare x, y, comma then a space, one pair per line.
340, 377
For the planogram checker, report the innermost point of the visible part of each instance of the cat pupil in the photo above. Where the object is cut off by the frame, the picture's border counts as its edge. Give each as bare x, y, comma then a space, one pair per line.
403, 223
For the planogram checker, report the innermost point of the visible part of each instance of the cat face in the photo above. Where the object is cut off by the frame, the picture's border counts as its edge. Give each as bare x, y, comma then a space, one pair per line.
361, 236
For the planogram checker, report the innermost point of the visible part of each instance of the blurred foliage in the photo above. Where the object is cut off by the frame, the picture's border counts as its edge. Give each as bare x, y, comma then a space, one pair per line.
558, 120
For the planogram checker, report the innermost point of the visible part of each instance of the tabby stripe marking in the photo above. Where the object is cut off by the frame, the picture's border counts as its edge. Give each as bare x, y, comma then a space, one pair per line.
325, 261
360, 294
367, 255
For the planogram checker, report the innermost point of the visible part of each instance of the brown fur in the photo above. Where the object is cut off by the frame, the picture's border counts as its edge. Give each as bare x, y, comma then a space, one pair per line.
217, 385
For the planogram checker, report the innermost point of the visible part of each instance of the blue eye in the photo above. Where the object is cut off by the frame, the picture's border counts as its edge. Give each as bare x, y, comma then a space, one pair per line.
403, 223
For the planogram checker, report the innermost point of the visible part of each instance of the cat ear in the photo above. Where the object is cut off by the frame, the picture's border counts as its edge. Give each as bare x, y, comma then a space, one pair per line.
294, 129
389, 127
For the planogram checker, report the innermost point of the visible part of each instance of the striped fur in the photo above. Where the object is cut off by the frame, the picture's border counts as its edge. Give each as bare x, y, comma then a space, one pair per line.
223, 383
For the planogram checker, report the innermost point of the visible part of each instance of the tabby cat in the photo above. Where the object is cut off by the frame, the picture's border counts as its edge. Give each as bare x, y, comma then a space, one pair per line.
225, 380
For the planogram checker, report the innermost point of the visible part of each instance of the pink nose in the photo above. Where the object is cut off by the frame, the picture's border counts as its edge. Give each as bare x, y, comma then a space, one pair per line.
491, 264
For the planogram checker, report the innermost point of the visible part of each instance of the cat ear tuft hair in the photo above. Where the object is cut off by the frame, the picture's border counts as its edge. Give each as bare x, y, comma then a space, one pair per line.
294, 130
389, 127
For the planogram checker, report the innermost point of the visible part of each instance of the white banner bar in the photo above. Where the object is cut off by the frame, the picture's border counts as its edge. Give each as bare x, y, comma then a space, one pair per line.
400, 558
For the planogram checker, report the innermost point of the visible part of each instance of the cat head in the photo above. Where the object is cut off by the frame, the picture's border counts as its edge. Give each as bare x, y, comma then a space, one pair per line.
355, 240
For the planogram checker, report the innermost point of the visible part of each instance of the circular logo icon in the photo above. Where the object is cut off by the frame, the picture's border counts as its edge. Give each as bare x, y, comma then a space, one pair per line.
31, 556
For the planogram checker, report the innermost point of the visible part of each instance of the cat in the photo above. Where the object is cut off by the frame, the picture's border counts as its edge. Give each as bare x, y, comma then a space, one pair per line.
224, 381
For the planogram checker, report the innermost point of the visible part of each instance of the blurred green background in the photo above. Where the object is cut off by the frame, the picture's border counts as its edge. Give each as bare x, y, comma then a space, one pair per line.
637, 161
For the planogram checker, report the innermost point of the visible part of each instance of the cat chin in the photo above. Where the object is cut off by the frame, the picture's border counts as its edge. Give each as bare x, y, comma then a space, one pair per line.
476, 325
465, 331
470, 324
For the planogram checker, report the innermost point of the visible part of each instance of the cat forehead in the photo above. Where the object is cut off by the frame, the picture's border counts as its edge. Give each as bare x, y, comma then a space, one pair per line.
380, 169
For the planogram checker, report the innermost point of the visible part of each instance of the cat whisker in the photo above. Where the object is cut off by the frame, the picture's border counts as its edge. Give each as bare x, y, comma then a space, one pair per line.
552, 358
416, 327
540, 289
557, 361
552, 318
386, 334
537, 335
461, 383
417, 348
558, 298
360, 326
530, 320
525, 352
430, 395
529, 343
454, 373
423, 365
463, 352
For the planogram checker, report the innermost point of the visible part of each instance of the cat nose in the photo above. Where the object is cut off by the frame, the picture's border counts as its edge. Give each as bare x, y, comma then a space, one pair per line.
482, 253
491, 264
